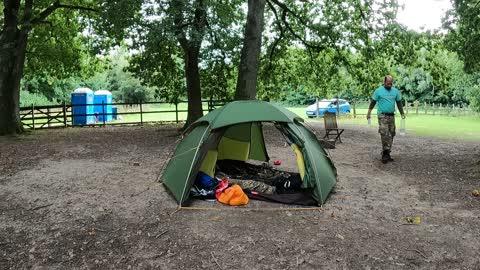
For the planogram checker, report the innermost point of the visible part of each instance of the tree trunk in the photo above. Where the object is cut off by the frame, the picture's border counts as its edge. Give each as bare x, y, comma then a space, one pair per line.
191, 44
250, 57
12, 58
192, 74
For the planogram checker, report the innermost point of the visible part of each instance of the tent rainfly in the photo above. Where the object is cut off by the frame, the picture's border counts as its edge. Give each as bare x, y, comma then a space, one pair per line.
234, 131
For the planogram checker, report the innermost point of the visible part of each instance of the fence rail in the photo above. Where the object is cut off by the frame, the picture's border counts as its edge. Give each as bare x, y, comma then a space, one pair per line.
61, 116
417, 108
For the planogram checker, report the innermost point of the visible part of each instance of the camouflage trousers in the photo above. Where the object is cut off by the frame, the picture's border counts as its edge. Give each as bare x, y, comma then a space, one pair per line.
253, 185
386, 128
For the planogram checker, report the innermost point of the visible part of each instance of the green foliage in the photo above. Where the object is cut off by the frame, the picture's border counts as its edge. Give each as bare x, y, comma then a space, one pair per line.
327, 49
111, 76
219, 80
414, 84
111, 24
56, 48
294, 97
438, 78
60, 45
131, 91
97, 81
473, 95
126, 88
464, 33
58, 58
46, 87
123, 85
160, 61
29, 99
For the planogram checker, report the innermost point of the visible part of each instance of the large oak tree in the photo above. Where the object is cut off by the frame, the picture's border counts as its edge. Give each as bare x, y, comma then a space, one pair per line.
19, 21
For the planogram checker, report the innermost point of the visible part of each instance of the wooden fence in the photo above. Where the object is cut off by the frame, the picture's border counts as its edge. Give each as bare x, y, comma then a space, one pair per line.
438, 109
417, 108
61, 116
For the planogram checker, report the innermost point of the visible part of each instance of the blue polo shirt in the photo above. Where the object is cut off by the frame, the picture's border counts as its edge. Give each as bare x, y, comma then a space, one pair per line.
386, 99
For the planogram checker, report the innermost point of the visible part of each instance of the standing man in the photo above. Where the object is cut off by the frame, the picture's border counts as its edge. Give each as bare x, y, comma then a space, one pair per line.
386, 96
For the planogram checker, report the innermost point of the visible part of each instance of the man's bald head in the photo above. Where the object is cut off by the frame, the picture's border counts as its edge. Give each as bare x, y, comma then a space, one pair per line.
388, 82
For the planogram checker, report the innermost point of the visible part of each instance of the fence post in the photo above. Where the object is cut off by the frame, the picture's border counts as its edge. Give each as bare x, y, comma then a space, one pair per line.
354, 110
440, 109
65, 113
406, 106
141, 113
33, 116
433, 108
48, 117
103, 113
176, 111
338, 107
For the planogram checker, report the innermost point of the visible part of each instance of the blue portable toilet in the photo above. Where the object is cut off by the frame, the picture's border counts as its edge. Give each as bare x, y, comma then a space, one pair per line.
114, 112
82, 106
103, 97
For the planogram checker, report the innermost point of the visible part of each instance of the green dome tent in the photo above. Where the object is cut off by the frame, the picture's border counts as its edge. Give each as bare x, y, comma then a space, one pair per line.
234, 131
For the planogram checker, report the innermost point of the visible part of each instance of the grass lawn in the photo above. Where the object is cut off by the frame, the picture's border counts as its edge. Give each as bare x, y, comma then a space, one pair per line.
464, 127
166, 112
446, 127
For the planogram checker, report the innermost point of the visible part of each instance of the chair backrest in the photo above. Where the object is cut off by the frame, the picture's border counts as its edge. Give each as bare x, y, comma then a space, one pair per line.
330, 120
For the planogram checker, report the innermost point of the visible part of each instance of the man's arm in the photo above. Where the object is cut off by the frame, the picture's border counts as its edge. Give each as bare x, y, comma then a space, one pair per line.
370, 108
400, 108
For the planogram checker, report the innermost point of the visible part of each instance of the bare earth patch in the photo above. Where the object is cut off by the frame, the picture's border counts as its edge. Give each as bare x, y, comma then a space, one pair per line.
87, 198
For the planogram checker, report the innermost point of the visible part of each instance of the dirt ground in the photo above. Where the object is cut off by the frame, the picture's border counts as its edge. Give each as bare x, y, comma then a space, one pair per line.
88, 198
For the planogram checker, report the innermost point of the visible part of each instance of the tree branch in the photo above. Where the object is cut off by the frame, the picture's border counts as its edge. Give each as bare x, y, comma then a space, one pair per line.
213, 34
78, 8
46, 22
27, 16
46, 12
178, 7
304, 23
289, 28
10, 15
284, 7
477, 4
200, 22
277, 40
54, 6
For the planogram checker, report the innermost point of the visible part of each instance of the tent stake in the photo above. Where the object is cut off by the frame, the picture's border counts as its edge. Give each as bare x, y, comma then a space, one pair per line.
215, 259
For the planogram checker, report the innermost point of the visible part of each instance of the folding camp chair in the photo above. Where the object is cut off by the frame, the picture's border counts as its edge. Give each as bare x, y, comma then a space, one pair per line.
331, 127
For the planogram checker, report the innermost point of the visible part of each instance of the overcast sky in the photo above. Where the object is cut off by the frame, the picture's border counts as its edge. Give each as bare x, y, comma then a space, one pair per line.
427, 13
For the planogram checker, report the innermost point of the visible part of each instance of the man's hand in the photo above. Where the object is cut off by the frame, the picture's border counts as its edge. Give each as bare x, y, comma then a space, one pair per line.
368, 116
403, 116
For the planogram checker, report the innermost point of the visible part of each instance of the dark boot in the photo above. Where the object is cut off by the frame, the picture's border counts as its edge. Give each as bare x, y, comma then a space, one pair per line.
389, 157
385, 157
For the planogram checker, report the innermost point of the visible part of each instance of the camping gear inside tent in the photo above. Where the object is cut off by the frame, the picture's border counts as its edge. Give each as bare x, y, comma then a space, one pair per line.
233, 133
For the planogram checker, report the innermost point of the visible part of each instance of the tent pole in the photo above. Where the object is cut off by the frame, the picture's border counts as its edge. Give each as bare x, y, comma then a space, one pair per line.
191, 166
